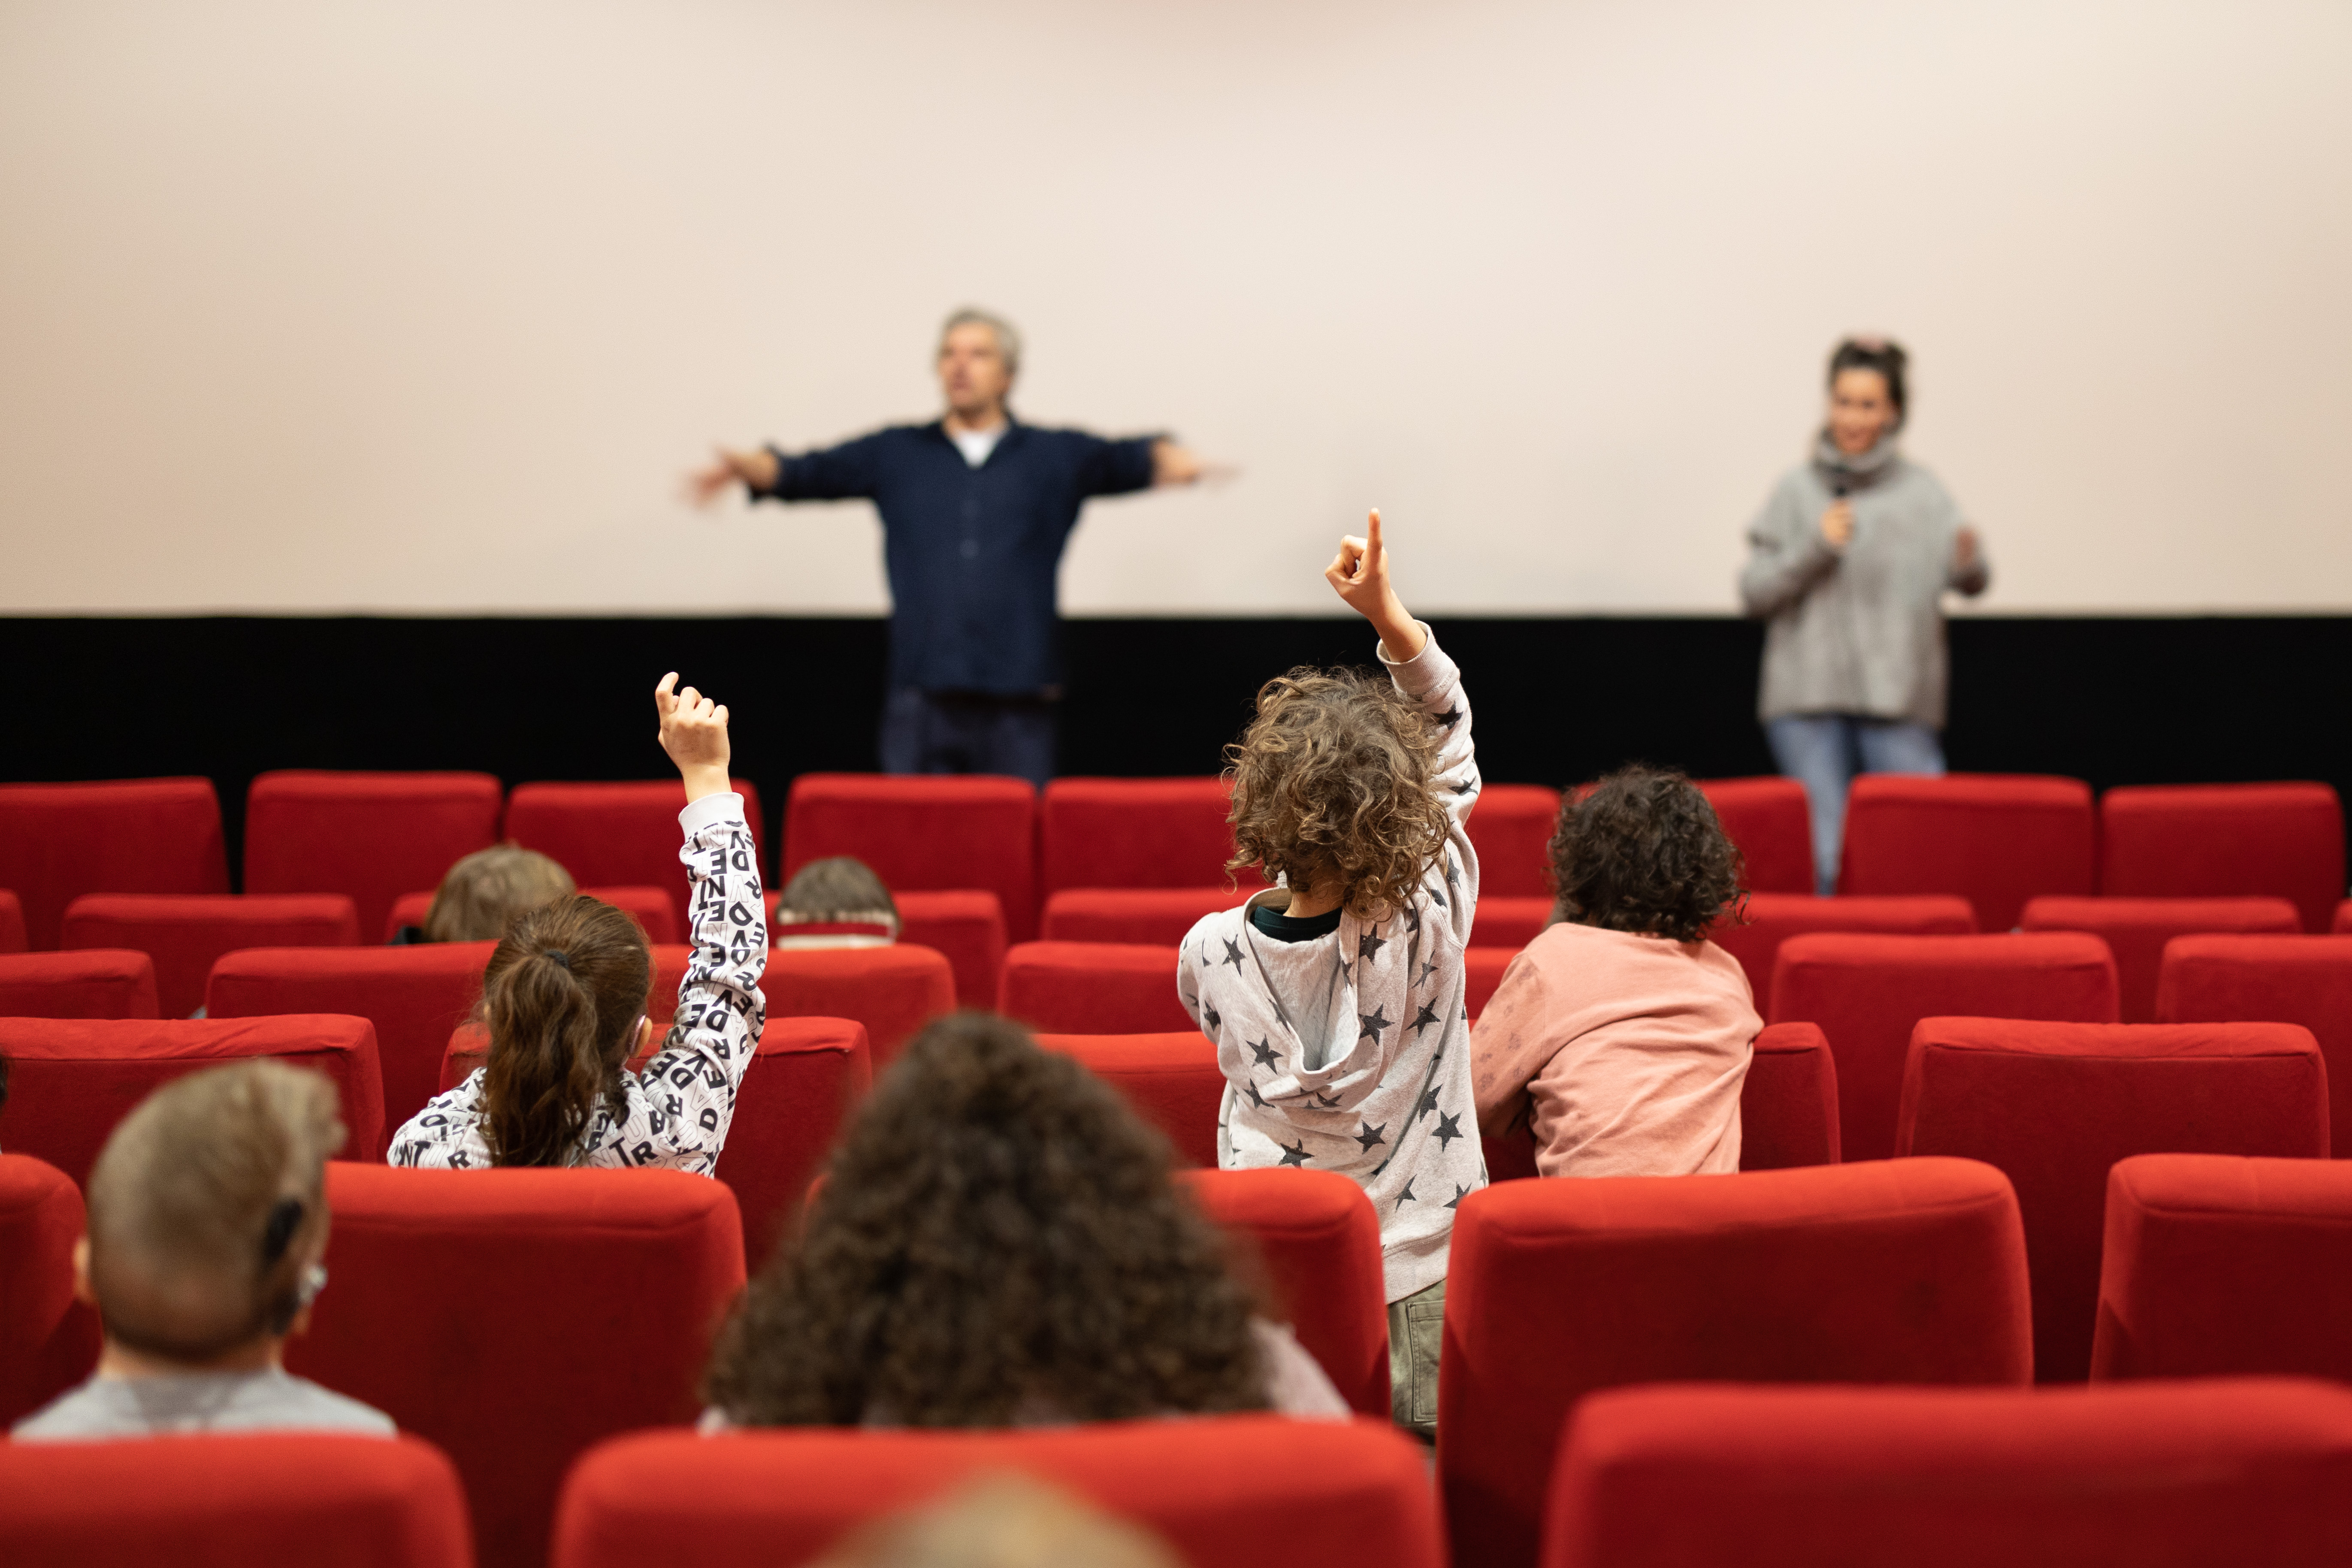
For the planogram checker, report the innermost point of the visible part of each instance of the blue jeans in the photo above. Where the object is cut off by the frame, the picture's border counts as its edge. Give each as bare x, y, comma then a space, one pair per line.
968, 732
1825, 751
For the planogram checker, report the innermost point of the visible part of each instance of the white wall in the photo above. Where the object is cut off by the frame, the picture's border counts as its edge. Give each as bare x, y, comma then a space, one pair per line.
426, 306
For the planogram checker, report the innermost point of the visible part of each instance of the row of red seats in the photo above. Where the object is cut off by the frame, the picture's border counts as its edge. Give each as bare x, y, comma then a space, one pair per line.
465, 1303
2247, 1471
1995, 839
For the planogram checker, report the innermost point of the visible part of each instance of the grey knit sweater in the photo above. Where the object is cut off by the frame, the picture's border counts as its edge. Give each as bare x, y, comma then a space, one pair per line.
1860, 632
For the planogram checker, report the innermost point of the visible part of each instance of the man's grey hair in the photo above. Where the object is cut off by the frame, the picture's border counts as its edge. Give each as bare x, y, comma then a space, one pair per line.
1008, 336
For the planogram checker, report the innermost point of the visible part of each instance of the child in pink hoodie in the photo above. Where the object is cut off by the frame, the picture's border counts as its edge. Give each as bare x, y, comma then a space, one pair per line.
1621, 1034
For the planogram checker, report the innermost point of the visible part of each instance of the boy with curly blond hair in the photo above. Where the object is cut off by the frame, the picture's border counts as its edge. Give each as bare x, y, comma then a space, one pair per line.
1335, 999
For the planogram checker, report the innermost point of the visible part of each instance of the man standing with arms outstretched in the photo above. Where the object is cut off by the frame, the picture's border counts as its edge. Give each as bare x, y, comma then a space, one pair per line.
976, 508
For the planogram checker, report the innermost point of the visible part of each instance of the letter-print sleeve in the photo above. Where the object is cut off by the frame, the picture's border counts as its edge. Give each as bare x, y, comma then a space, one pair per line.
681, 1107
1431, 680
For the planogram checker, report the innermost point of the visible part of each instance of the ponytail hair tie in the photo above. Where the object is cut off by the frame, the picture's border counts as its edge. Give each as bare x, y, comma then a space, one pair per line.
560, 956
285, 1219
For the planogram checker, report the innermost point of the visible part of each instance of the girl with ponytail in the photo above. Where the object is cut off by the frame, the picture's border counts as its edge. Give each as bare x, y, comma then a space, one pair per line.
564, 1002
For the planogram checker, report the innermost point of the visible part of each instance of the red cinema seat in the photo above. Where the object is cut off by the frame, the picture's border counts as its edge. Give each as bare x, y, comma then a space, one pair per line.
1788, 1108
652, 907
2343, 923
1509, 922
2053, 1106
93, 983
2214, 1266
1135, 832
1318, 1246
893, 991
1093, 988
1510, 827
963, 925
617, 835
48, 1341
1866, 991
58, 841
1482, 975
1158, 917
1771, 919
516, 1318
1909, 1271
305, 1500
1771, 823
2136, 930
2250, 1472
1235, 1491
923, 833
2305, 980
414, 996
1172, 1080
373, 836
72, 1079
185, 933
12, 922
1997, 839
2285, 840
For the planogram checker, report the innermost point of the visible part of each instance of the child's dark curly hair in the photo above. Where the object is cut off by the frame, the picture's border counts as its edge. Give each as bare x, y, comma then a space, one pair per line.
1642, 852
1330, 784
997, 1239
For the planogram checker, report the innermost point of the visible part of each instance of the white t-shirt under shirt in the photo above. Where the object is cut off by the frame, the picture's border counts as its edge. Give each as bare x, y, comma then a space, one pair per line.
976, 444
271, 1400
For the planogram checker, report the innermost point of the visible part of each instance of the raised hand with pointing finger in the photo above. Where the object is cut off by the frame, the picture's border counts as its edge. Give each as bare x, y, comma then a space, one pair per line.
1359, 575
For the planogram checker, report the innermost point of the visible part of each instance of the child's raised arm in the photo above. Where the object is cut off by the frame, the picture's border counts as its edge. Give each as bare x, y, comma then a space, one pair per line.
1359, 575
694, 733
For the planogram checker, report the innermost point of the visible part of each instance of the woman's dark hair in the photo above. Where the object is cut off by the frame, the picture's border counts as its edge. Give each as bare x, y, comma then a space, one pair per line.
1883, 355
997, 1239
561, 998
1642, 852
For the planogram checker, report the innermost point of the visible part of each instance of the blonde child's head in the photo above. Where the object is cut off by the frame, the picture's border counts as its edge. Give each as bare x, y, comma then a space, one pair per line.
1331, 789
481, 894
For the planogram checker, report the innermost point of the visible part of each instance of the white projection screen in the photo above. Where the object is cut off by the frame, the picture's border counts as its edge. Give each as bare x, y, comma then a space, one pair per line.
425, 307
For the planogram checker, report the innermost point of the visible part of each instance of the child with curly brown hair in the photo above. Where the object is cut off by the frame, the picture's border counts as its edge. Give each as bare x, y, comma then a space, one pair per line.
1335, 998
1619, 1036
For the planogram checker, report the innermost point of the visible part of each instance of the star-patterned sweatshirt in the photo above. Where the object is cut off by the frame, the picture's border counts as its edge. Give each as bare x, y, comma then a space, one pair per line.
675, 1113
1352, 1052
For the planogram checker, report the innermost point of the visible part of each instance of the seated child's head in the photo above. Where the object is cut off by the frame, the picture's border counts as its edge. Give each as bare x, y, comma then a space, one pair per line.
997, 1241
564, 1001
1331, 791
208, 1213
482, 893
1642, 852
841, 890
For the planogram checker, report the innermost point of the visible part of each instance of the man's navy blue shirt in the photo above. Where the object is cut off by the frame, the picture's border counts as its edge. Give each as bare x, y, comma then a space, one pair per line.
974, 555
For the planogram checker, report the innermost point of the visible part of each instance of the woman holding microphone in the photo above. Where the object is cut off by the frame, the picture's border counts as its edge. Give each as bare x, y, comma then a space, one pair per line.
1849, 560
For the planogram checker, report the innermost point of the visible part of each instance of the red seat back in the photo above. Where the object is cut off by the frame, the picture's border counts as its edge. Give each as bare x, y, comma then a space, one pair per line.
1510, 923
2053, 1106
652, 907
1157, 916
1997, 839
617, 835
2225, 841
1866, 991
2136, 931
185, 933
1510, 827
12, 922
72, 1079
1239, 1491
1319, 1245
372, 837
963, 925
414, 996
90, 982
516, 1318
2305, 980
2249, 1472
1135, 832
58, 841
1172, 1080
1773, 918
1910, 1271
1092, 988
923, 833
893, 991
1769, 819
308, 1497
1789, 1101
2213, 1265
48, 1341
1482, 975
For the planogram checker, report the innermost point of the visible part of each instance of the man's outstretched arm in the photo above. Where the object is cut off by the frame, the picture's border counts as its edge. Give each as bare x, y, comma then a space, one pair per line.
1175, 465
847, 472
754, 470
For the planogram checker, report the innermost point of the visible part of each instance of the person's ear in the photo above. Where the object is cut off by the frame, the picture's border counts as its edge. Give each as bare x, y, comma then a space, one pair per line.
645, 1034
82, 1291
